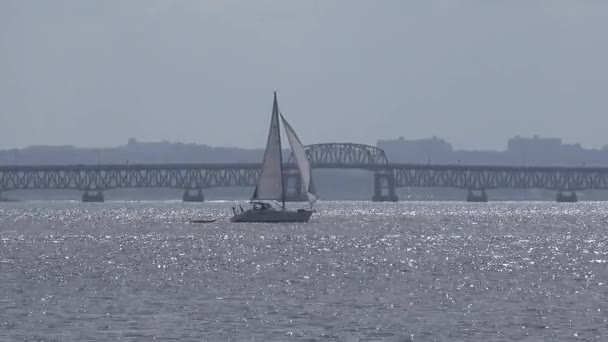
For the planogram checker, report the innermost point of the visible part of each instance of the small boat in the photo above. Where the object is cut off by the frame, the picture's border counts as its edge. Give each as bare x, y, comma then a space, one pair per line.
264, 212
271, 183
203, 221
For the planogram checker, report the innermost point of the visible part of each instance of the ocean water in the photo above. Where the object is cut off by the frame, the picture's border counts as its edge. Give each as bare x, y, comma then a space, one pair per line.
358, 271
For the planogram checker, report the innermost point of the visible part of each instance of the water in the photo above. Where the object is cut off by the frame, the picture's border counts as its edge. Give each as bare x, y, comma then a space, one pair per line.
357, 272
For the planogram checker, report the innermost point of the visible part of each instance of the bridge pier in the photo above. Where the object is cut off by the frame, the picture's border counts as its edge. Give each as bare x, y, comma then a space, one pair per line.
96, 197
196, 197
384, 188
563, 198
477, 195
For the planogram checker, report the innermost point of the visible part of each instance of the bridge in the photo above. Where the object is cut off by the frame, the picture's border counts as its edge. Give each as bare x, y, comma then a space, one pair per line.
93, 180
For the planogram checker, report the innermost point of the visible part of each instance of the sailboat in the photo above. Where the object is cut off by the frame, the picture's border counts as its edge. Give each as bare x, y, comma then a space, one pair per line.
271, 183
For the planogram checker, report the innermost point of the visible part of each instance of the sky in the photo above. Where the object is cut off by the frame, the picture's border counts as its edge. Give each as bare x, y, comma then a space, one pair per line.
95, 73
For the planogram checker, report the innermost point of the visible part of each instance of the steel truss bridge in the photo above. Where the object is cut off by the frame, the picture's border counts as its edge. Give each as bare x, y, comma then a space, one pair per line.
387, 176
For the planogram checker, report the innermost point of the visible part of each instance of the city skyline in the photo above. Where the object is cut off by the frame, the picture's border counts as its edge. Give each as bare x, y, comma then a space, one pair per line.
519, 151
92, 74
378, 141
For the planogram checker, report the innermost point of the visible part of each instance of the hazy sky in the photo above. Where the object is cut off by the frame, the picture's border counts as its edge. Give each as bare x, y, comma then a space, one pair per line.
94, 73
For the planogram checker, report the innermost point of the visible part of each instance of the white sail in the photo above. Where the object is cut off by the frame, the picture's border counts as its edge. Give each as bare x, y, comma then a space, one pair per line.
270, 183
301, 160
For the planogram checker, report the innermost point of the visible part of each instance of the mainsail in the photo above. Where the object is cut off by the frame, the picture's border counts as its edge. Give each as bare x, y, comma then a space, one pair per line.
301, 160
270, 183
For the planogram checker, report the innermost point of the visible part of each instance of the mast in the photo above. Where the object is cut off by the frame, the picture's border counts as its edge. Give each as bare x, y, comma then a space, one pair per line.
270, 183
275, 112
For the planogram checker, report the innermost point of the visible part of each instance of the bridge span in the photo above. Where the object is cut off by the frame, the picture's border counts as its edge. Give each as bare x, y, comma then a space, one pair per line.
195, 178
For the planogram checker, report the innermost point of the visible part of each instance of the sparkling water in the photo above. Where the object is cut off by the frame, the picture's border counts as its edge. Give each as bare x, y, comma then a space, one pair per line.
358, 271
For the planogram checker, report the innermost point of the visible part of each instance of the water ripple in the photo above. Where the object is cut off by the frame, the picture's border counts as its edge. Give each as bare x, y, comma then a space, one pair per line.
358, 271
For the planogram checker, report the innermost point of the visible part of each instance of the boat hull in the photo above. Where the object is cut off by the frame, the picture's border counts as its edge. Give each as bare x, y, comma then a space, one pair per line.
273, 216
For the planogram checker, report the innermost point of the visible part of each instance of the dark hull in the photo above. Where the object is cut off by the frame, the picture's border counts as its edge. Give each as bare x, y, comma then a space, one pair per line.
272, 216
202, 221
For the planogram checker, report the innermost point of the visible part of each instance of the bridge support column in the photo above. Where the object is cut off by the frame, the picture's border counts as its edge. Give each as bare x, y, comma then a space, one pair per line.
477, 196
196, 197
293, 188
95, 197
384, 188
566, 198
